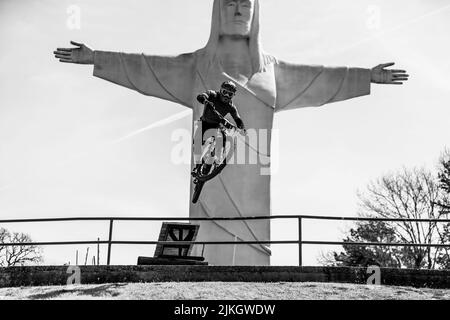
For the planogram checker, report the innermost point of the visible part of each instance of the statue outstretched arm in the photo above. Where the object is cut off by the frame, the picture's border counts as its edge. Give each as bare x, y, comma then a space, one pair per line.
169, 78
301, 86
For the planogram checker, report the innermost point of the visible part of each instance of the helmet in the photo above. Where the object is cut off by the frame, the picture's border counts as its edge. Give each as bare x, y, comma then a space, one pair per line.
229, 85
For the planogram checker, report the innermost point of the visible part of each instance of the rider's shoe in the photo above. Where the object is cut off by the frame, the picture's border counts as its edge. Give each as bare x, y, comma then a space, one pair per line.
196, 170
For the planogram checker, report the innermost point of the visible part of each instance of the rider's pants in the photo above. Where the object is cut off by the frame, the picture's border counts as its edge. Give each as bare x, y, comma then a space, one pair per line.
200, 140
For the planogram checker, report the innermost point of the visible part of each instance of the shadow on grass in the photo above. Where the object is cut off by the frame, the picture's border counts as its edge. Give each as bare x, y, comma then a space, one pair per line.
100, 291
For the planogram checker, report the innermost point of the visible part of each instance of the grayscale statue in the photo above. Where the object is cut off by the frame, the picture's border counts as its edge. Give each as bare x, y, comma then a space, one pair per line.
264, 85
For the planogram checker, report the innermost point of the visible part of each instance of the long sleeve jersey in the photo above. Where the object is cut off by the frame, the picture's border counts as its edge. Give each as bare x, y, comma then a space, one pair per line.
222, 108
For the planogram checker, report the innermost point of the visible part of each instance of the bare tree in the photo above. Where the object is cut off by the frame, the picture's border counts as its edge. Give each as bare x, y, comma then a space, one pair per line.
408, 194
444, 177
444, 204
17, 254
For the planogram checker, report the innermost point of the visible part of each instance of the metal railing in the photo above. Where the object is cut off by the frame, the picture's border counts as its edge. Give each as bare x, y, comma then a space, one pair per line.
300, 242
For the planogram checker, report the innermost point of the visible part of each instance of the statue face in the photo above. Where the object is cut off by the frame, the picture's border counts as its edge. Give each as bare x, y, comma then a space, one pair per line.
236, 17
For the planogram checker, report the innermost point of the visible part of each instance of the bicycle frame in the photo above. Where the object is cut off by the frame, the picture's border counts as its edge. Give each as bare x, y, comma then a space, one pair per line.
214, 157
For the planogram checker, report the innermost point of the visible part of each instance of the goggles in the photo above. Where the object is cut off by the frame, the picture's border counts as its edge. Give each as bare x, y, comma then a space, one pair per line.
226, 93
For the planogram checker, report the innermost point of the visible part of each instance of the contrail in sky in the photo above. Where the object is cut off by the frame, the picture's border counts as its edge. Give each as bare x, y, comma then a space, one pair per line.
394, 28
154, 125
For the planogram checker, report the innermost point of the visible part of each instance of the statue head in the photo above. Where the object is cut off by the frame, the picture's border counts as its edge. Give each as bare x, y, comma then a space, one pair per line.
241, 18
236, 17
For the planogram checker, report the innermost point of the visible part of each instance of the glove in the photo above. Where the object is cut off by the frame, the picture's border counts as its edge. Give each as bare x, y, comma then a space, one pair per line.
209, 104
201, 98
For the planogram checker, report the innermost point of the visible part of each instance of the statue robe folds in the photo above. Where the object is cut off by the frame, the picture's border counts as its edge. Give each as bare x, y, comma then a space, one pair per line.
241, 189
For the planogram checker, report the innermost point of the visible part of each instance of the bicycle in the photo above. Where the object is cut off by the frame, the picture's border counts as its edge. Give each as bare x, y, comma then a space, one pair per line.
213, 159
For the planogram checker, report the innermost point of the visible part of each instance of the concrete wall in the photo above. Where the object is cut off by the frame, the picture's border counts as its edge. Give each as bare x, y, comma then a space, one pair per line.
57, 275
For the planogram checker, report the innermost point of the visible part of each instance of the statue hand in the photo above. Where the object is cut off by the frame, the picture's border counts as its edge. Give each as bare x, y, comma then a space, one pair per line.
393, 76
82, 54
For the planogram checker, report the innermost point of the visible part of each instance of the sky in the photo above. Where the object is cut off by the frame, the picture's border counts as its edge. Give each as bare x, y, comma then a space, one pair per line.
67, 146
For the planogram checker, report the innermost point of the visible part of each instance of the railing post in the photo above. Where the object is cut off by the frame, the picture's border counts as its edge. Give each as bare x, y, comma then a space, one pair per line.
109, 241
300, 241
234, 251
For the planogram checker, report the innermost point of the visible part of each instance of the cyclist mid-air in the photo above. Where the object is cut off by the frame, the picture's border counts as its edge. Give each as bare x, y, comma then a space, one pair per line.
217, 106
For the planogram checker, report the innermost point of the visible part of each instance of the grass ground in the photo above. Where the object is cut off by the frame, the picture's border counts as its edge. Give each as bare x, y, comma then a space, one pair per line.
224, 290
